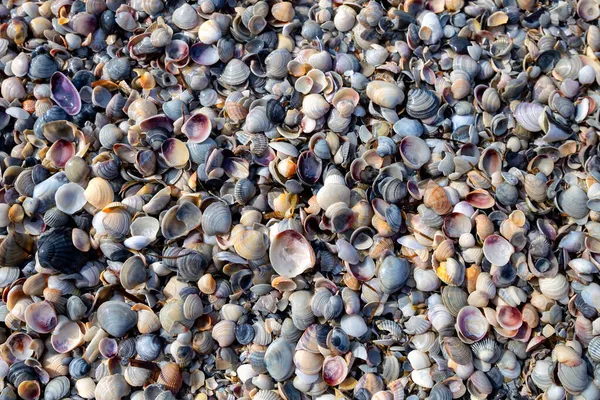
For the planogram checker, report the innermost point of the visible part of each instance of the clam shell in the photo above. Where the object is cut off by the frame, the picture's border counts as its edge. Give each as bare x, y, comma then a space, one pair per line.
112, 387
57, 388
527, 115
497, 250
385, 94
99, 193
116, 318
216, 219
393, 274
335, 370
291, 254
66, 336
279, 360
41, 317
70, 198
414, 151
353, 325
422, 103
235, 73
65, 94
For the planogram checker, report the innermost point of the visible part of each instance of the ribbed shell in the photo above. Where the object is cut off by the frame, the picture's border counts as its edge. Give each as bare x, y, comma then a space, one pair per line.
56, 251
244, 190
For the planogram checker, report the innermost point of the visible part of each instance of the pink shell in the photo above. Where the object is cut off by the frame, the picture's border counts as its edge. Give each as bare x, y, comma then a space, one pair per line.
60, 152
509, 317
480, 199
335, 370
197, 128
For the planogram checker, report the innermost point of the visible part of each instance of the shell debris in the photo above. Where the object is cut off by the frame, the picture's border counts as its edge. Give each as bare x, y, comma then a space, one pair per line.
287, 200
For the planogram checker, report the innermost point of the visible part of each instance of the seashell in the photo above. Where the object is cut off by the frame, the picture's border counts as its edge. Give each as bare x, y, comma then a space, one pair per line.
418, 359
112, 387
133, 272
393, 274
471, 324
479, 385
45, 191
70, 198
57, 388
185, 17
209, 32
197, 128
267, 395
136, 376
85, 387
117, 327
148, 347
416, 326
291, 254
451, 272
414, 151
497, 250
224, 333
422, 377
65, 94
573, 378
66, 336
41, 317
99, 193
171, 318
509, 317
192, 307
235, 73
527, 115
279, 360
216, 219
421, 103
385, 94
78, 368
353, 325
283, 11
57, 252
335, 370
456, 224
457, 351
315, 106
76, 170
29, 390
588, 10
573, 202
436, 198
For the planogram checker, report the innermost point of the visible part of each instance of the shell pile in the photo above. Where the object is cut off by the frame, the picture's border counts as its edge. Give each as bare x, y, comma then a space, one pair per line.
288, 200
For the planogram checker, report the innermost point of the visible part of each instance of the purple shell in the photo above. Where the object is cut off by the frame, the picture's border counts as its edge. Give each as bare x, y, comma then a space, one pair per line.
204, 54
65, 94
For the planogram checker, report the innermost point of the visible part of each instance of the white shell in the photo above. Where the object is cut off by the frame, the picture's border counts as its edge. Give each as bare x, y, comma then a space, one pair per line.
69, 198
354, 325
